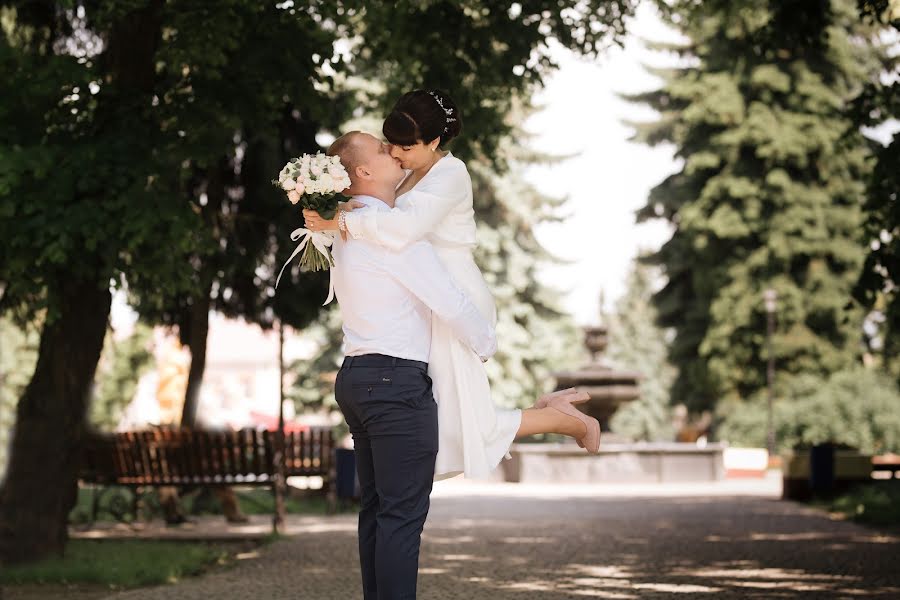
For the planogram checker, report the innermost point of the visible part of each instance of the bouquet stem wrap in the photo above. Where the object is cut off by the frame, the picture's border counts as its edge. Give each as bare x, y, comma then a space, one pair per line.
315, 247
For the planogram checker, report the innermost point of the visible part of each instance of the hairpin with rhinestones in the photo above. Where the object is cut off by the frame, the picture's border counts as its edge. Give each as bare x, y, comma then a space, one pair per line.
449, 111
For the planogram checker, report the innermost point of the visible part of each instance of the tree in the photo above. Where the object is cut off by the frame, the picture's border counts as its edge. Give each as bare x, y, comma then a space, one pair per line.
103, 132
489, 56
244, 119
84, 197
879, 282
637, 343
769, 194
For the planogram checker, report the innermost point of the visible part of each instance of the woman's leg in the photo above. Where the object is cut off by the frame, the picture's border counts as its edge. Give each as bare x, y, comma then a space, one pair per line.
550, 420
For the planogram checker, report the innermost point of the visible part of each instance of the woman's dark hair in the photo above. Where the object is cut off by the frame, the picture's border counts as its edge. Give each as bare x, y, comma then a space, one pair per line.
421, 116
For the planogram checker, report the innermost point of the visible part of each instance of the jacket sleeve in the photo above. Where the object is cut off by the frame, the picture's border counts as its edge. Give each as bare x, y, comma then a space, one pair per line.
428, 204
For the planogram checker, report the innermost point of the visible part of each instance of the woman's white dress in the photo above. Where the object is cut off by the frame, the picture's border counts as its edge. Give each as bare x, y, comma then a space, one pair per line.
474, 434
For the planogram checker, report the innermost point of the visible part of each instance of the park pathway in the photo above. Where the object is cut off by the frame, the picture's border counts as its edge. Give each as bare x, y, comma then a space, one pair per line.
502, 541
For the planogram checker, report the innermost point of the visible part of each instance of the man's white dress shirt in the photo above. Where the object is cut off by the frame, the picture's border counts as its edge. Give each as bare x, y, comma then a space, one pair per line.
387, 296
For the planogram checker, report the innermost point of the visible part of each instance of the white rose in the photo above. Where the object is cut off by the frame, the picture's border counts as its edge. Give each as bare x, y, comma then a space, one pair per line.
326, 181
288, 184
315, 170
294, 197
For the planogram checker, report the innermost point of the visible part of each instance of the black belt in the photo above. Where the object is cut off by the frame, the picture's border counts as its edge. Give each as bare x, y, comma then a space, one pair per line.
382, 360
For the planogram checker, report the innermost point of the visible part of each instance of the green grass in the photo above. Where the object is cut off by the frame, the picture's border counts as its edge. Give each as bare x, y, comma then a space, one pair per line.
261, 502
876, 503
119, 563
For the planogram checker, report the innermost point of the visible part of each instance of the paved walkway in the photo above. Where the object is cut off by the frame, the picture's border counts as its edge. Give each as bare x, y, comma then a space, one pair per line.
502, 541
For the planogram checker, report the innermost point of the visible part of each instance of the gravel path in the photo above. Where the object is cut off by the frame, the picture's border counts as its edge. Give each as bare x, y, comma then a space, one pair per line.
511, 546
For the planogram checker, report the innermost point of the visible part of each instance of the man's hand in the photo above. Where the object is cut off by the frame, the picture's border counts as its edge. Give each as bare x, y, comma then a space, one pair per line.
315, 222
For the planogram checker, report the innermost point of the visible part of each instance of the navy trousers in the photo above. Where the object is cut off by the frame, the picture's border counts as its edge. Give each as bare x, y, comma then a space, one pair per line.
390, 408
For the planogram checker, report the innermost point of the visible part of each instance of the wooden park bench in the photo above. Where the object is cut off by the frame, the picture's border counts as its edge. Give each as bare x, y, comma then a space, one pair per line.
185, 457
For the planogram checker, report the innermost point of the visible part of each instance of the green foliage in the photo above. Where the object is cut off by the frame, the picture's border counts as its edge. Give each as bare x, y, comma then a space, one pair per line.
859, 408
121, 366
637, 343
877, 503
81, 194
769, 194
879, 282
486, 55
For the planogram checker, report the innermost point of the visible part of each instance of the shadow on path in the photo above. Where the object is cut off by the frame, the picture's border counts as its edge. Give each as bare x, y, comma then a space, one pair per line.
497, 548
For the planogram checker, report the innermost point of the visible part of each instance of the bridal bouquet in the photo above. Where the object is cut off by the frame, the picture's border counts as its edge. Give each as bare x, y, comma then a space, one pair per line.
315, 181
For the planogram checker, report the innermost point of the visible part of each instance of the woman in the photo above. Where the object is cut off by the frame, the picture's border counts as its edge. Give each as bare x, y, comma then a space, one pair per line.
435, 202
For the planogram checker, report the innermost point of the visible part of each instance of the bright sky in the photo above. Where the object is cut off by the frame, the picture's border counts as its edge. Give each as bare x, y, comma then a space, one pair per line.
610, 177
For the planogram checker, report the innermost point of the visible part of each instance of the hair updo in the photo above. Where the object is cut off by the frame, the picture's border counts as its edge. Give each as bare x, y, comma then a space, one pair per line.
421, 116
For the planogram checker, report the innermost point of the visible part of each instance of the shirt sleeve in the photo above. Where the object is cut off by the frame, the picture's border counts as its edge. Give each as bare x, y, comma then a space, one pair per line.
427, 205
419, 270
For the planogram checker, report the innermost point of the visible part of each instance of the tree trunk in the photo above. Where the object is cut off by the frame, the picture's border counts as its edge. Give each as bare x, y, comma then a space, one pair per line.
195, 323
197, 332
41, 485
41, 481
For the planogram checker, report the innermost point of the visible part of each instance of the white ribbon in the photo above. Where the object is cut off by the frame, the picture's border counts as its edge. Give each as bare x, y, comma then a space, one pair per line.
322, 241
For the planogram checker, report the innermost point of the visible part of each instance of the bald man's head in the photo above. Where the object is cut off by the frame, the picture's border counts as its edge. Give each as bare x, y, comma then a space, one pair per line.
372, 169
351, 148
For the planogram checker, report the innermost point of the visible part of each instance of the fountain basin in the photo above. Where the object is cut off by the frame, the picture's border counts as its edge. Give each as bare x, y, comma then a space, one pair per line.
635, 462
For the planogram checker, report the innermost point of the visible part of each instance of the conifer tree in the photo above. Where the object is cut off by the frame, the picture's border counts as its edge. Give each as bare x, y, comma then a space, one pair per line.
769, 194
637, 343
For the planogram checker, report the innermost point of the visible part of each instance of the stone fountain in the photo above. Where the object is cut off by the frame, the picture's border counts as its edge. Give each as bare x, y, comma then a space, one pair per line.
619, 460
608, 388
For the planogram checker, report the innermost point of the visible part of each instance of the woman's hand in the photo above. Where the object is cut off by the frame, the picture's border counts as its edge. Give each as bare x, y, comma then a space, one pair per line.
350, 205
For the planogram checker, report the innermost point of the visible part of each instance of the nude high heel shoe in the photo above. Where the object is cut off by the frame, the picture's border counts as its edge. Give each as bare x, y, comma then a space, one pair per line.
591, 440
570, 394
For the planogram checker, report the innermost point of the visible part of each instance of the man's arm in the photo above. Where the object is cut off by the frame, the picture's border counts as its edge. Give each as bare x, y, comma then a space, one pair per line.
419, 270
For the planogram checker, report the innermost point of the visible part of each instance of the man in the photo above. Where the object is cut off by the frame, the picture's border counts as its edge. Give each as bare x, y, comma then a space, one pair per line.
383, 389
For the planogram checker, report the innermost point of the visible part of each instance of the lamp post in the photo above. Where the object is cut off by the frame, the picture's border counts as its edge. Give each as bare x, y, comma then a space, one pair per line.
278, 459
770, 297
